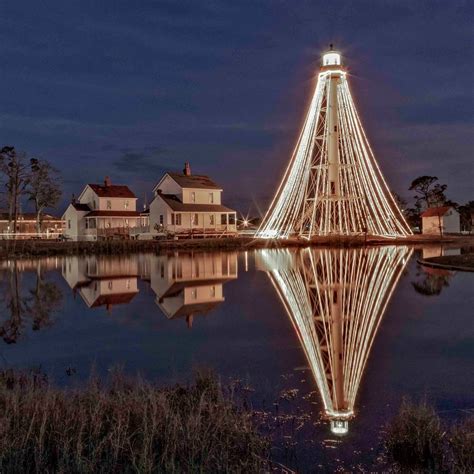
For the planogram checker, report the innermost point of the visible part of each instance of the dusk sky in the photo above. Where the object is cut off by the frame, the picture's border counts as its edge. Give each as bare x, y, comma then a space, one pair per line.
130, 89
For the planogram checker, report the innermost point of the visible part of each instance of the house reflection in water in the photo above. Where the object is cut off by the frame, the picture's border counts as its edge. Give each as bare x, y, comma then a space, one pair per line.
191, 284
185, 284
336, 299
102, 281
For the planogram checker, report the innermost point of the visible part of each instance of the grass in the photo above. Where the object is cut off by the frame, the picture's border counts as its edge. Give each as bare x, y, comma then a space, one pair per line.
124, 426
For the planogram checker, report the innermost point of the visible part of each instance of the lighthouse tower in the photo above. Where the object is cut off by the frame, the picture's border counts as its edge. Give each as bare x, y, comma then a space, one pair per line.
333, 184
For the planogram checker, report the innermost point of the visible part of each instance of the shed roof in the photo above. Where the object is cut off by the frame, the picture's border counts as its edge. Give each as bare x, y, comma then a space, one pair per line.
436, 211
113, 214
177, 205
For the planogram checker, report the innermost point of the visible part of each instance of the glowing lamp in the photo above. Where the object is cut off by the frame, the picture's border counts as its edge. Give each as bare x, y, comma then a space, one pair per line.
332, 58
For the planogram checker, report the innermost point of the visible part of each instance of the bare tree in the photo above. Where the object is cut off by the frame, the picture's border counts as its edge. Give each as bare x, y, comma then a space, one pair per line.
44, 188
16, 171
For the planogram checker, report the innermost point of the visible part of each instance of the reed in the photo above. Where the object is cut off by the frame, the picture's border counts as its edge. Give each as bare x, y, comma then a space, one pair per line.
124, 425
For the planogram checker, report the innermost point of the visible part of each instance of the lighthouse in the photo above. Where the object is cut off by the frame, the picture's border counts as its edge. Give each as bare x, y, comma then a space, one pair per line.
333, 184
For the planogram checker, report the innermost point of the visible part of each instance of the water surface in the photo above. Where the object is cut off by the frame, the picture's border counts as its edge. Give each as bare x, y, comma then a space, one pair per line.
325, 342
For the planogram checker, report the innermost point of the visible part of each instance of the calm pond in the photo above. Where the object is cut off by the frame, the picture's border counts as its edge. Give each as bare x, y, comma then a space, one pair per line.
324, 343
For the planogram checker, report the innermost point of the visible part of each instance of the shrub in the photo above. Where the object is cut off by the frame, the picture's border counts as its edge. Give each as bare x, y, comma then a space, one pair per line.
125, 425
414, 439
461, 441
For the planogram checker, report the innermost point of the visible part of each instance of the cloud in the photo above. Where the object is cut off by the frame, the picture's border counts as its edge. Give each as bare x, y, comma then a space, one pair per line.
144, 161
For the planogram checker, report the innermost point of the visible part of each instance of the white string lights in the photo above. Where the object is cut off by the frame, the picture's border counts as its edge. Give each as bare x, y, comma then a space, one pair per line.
336, 299
333, 185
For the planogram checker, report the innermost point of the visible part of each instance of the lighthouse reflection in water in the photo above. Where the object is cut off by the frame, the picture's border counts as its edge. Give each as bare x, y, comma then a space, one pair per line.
336, 299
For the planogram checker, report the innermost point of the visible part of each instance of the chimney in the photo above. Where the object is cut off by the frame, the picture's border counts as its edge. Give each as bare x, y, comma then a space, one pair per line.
73, 198
107, 182
187, 169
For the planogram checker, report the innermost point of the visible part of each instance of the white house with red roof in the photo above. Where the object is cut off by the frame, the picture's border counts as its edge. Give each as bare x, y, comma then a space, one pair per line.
187, 204
103, 211
441, 220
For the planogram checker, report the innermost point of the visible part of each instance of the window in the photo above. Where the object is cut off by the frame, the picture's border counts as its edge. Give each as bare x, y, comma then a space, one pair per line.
194, 293
109, 204
193, 197
125, 205
87, 223
111, 284
128, 284
232, 219
69, 223
335, 128
333, 187
223, 219
213, 290
126, 222
162, 270
161, 219
211, 219
211, 198
94, 204
195, 219
178, 219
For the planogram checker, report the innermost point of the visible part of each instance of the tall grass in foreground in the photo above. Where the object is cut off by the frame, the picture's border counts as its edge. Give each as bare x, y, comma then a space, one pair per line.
417, 441
124, 426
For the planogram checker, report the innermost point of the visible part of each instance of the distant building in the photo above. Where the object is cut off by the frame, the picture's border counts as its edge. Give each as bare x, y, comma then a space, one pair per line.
103, 211
51, 226
190, 204
441, 220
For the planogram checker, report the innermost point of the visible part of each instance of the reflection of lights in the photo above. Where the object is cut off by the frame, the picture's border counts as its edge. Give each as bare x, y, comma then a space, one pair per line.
339, 427
335, 299
332, 185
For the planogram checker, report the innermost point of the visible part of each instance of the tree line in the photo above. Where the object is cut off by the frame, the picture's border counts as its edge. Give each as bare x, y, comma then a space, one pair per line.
31, 178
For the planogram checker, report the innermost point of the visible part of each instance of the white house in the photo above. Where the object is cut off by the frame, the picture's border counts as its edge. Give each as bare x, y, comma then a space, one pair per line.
102, 211
190, 204
441, 220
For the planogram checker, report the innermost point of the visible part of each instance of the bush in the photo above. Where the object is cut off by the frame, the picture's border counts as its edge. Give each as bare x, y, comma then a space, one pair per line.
461, 441
414, 439
124, 426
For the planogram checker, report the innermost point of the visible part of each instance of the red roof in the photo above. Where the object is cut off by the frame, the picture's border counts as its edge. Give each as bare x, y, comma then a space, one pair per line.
113, 214
112, 190
436, 211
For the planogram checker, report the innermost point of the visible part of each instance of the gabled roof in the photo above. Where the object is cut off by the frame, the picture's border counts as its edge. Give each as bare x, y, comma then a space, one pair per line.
177, 205
436, 211
112, 191
194, 181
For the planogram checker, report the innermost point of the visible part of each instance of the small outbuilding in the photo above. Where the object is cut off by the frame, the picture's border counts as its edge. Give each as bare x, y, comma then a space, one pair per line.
441, 220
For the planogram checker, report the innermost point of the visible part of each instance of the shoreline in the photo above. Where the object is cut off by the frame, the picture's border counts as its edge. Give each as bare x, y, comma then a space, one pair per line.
461, 263
38, 248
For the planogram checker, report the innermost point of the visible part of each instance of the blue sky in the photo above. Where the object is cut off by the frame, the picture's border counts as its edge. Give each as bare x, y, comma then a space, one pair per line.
130, 89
